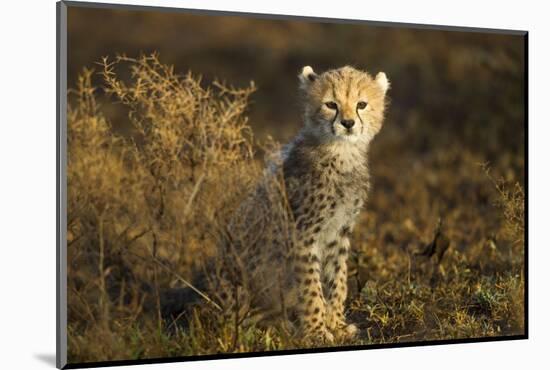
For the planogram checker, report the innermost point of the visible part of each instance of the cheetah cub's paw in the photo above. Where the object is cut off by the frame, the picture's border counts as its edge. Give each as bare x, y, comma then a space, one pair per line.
319, 336
341, 329
347, 331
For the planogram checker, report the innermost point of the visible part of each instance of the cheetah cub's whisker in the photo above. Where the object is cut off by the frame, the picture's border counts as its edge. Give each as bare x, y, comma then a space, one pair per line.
302, 274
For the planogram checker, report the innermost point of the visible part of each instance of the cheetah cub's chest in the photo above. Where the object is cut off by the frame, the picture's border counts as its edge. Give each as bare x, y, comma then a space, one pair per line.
339, 224
346, 184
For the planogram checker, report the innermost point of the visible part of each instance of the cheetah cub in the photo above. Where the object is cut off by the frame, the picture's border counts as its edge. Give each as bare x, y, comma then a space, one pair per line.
326, 173
301, 273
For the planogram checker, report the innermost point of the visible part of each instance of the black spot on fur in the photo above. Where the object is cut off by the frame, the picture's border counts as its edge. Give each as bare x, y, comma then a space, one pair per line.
346, 231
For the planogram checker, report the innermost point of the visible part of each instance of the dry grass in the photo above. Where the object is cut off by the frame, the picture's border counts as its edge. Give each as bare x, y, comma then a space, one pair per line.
140, 207
145, 211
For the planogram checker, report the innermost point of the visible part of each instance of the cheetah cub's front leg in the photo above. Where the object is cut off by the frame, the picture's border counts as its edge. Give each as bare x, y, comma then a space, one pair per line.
312, 305
335, 283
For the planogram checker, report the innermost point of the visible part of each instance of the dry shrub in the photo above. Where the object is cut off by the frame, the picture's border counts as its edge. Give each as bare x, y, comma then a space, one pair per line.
143, 209
511, 200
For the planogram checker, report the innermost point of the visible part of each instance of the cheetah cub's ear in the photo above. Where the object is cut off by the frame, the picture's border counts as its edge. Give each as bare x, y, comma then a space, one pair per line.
382, 81
307, 76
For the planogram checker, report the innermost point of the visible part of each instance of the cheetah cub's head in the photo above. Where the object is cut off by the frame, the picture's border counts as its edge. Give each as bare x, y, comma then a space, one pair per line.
343, 104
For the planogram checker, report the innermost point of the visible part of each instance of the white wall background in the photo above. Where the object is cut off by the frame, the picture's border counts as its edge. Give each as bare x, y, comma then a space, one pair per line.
27, 182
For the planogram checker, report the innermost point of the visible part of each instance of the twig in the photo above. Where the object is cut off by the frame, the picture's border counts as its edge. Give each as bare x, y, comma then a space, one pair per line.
237, 323
101, 267
179, 277
193, 195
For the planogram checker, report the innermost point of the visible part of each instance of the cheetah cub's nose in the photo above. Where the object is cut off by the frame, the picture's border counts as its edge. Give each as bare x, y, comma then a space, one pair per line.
347, 123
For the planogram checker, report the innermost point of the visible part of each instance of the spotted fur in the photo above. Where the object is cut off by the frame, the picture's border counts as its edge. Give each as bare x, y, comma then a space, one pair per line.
300, 272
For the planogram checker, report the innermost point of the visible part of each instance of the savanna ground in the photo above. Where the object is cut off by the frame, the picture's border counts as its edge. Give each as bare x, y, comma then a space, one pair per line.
159, 157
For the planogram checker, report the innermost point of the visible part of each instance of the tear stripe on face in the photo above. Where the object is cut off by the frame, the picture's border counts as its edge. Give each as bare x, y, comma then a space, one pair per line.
334, 120
360, 119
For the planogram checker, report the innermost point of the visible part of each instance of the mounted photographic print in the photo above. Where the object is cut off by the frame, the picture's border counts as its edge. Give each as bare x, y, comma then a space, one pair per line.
234, 184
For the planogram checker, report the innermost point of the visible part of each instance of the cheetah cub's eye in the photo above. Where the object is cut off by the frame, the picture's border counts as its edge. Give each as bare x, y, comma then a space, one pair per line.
362, 105
331, 105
